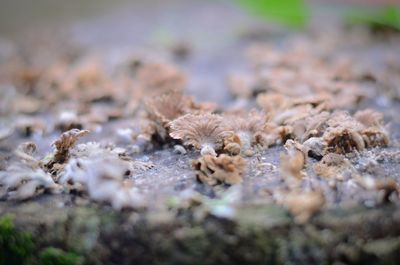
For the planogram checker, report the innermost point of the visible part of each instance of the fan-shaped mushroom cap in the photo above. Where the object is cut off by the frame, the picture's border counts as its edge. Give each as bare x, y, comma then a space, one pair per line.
204, 132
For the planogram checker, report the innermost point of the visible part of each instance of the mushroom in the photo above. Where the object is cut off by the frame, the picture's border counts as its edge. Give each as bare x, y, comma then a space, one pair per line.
158, 78
342, 134
303, 204
369, 118
292, 163
63, 144
222, 169
375, 134
205, 132
167, 107
249, 129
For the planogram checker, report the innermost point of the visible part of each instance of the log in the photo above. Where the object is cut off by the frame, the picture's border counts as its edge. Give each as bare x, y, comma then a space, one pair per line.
43, 232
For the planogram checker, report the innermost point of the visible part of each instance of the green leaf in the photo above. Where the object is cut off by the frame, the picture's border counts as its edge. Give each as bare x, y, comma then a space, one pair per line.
383, 17
293, 13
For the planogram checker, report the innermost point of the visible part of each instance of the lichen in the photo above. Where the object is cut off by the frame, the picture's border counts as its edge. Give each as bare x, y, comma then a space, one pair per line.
16, 247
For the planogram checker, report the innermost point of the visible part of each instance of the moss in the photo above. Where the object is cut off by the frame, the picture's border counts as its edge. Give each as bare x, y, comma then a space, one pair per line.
383, 251
15, 247
82, 229
192, 243
257, 246
299, 248
18, 247
55, 256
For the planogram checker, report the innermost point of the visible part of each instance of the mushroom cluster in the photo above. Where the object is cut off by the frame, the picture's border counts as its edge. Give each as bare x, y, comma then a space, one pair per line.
103, 172
295, 100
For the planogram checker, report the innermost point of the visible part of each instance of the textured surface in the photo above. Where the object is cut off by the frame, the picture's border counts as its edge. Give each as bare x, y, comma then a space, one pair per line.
353, 227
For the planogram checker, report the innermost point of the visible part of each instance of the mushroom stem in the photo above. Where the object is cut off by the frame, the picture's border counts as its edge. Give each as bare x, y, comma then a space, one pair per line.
207, 149
245, 139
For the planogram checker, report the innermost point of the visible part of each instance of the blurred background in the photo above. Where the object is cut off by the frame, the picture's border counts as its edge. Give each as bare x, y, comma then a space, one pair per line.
214, 29
18, 15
